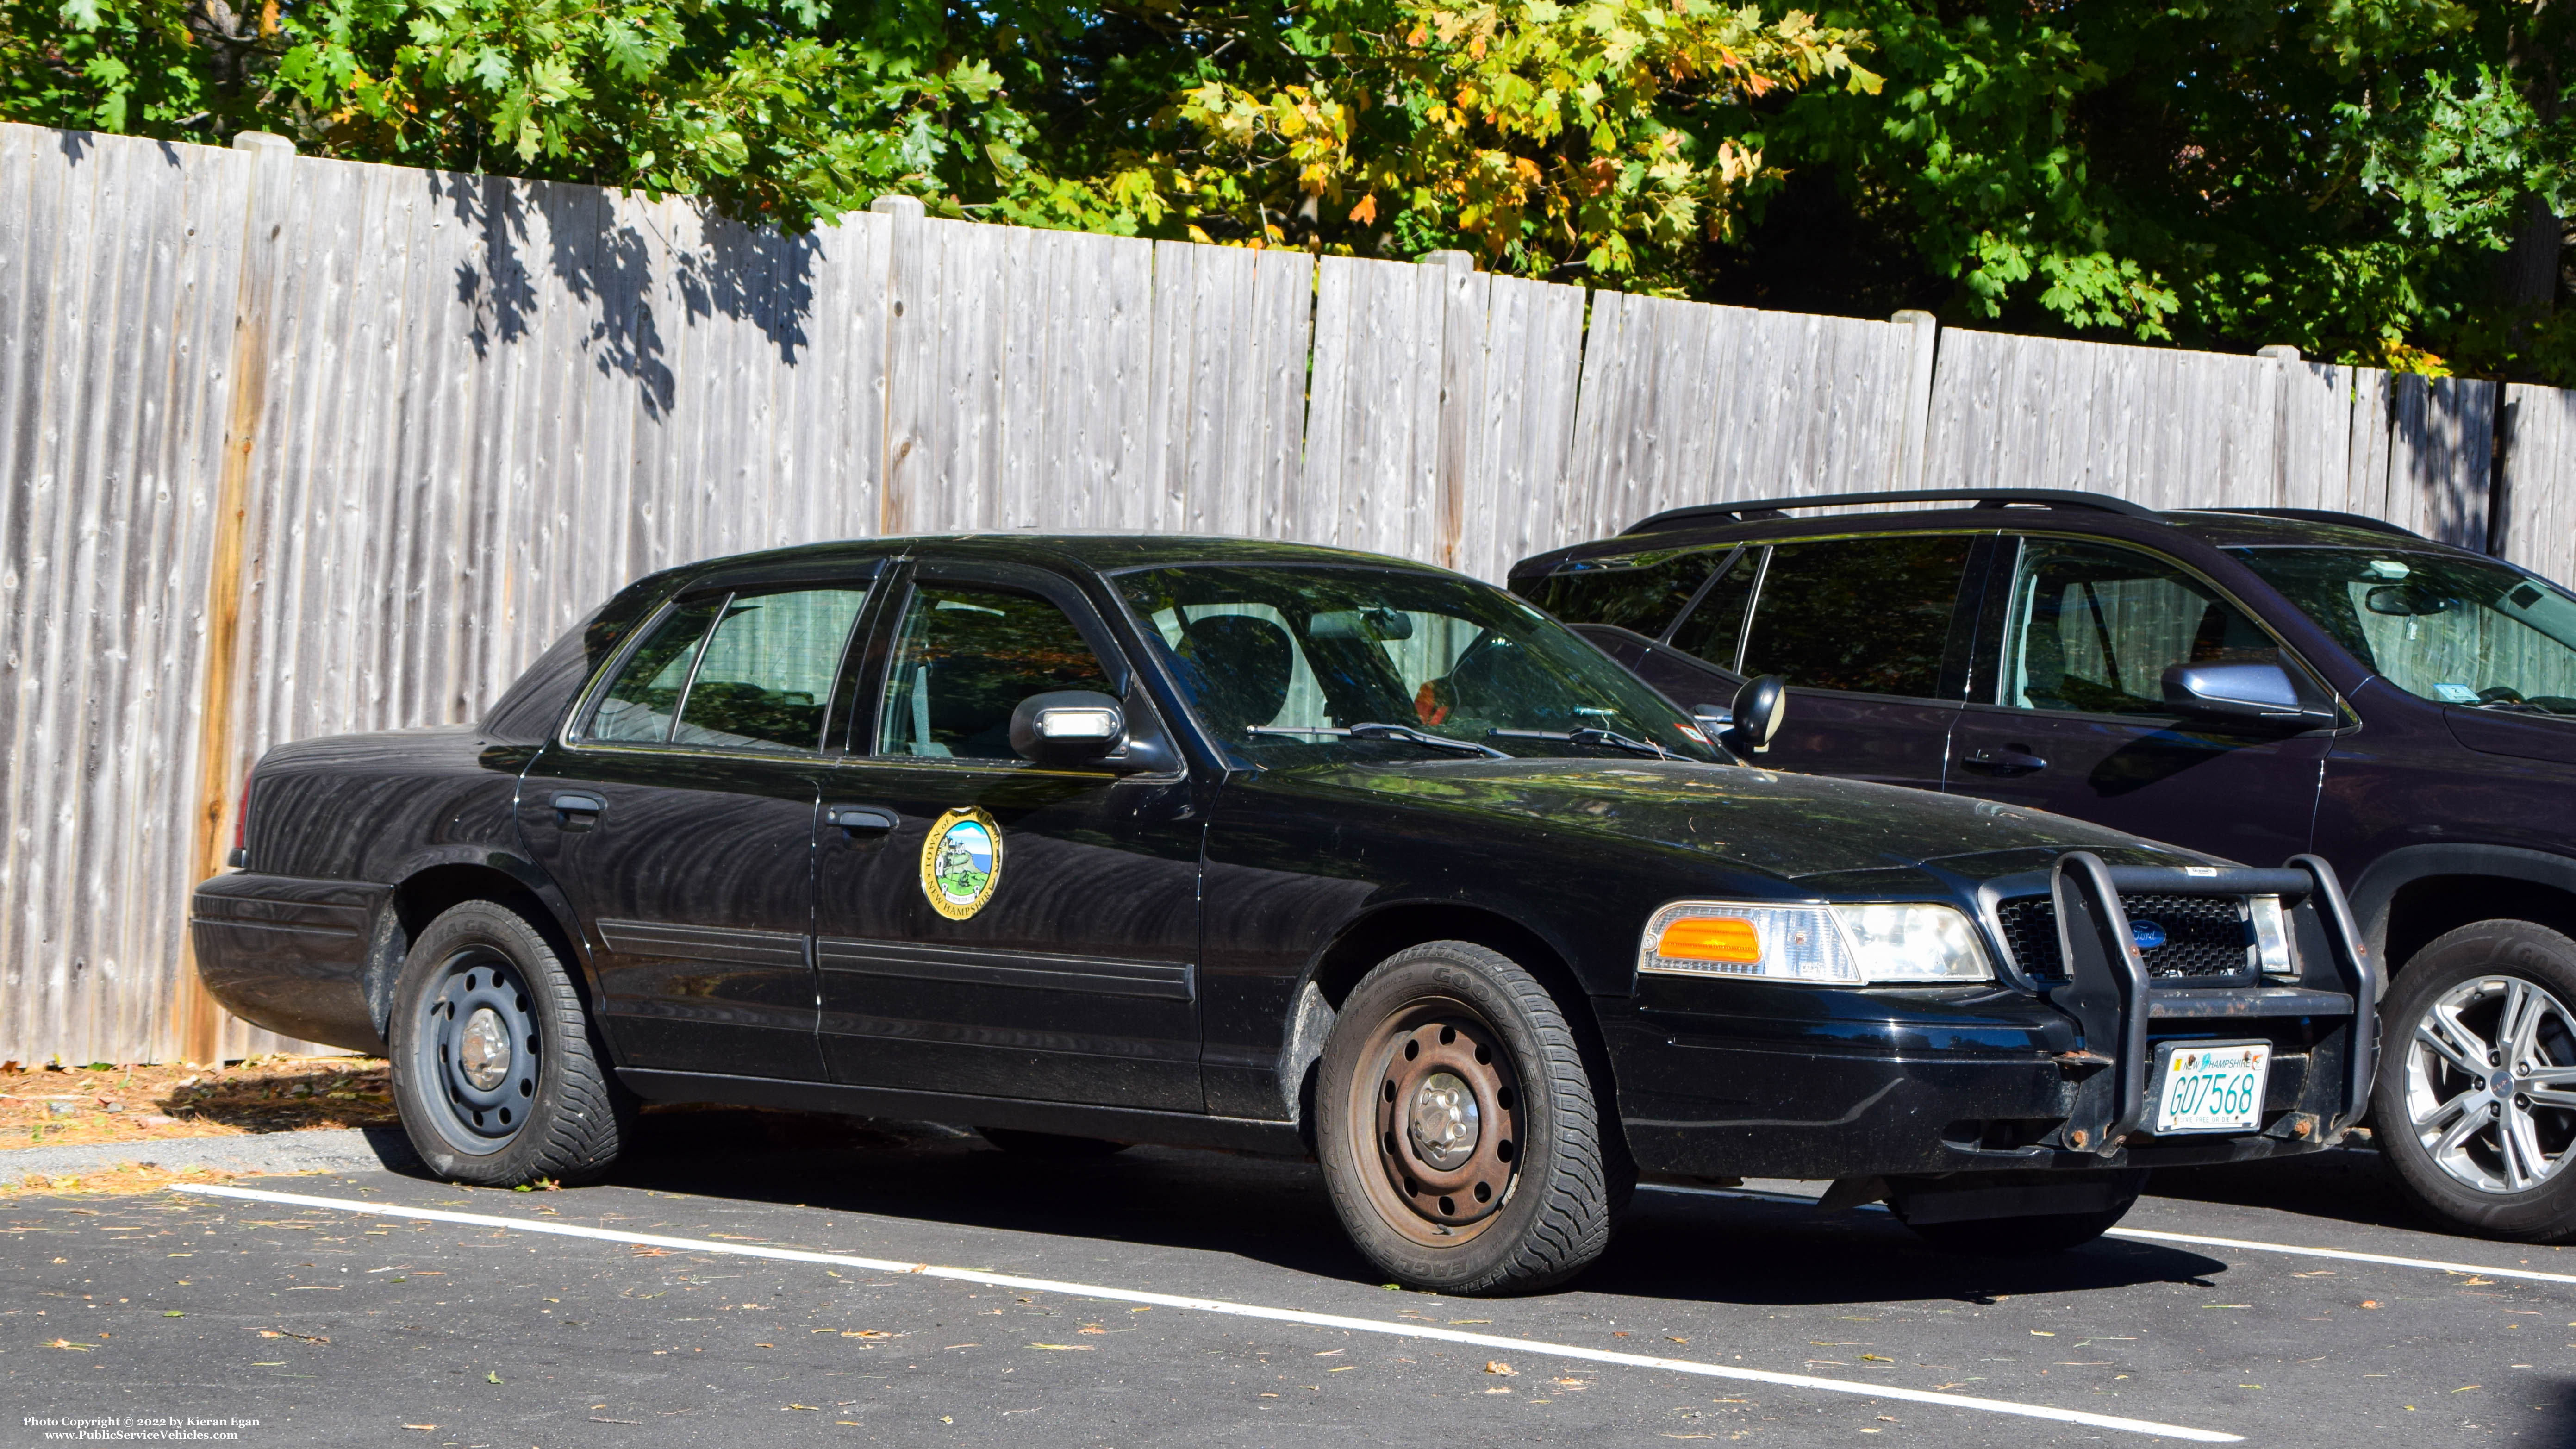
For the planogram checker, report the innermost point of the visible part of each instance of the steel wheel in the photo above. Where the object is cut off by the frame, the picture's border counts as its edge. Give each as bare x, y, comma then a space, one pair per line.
478, 1048
1445, 1116
2491, 1083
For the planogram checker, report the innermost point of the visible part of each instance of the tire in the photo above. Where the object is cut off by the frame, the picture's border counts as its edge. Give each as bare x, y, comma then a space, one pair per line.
2026, 1237
2501, 1165
498, 1074
1516, 1119
1053, 1146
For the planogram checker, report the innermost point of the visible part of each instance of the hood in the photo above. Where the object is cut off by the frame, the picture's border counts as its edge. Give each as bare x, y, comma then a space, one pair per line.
1785, 825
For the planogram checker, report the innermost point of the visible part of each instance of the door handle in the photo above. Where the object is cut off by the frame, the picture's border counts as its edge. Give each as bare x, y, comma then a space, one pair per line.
577, 812
862, 819
2012, 761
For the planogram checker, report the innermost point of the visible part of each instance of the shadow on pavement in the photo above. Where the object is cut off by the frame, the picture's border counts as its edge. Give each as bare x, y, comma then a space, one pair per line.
1677, 1247
2344, 1185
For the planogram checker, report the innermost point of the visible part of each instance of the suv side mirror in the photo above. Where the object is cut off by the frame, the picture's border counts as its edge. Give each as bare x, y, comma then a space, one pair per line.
1069, 727
1747, 725
2247, 693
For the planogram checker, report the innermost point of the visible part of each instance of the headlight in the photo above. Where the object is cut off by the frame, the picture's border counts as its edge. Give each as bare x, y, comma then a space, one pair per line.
2272, 936
1848, 945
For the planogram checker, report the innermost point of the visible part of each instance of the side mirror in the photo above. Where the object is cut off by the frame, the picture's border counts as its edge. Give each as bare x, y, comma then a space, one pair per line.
2247, 693
1755, 716
1068, 727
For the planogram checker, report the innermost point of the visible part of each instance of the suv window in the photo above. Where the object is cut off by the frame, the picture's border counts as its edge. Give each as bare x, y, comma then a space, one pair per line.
965, 659
766, 670
2093, 627
1640, 592
1870, 615
1715, 629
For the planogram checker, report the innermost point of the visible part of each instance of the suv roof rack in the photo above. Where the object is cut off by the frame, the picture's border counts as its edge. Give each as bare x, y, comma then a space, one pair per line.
2323, 515
1981, 497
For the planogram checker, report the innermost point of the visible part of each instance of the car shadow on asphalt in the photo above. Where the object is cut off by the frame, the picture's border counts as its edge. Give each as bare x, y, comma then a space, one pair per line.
1678, 1247
2343, 1185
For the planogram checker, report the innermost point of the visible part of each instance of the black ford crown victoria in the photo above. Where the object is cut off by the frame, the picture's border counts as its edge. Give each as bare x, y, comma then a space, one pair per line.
1096, 840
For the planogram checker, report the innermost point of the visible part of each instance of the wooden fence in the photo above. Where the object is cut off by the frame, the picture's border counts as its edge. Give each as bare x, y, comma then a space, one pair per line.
292, 447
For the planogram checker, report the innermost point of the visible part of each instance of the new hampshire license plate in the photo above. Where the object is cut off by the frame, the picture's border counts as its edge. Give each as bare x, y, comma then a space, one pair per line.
2212, 1086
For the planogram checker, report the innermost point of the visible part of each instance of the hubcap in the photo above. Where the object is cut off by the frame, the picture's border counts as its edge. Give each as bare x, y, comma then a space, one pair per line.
2491, 1083
477, 1051
1443, 1107
1444, 1120
483, 1049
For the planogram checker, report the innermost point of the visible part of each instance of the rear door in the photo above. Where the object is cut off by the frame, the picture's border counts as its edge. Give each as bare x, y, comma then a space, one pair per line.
2068, 710
679, 819
988, 925
1869, 631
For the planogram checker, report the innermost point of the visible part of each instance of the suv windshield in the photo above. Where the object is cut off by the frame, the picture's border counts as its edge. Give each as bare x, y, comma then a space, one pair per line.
2458, 630
1282, 661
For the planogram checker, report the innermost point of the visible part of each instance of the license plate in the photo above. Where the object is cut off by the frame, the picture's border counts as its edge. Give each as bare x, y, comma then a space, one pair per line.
2211, 1086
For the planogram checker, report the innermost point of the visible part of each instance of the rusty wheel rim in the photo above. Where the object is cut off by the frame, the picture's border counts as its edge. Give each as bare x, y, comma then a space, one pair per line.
1439, 1107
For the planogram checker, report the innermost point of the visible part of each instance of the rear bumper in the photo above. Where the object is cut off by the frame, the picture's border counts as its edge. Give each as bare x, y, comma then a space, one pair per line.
1748, 1081
293, 956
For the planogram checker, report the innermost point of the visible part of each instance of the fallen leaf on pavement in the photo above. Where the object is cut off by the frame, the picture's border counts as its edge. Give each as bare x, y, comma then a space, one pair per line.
1497, 1366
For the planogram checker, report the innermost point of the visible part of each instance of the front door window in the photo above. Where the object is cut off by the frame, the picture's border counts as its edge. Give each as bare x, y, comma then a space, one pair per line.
2094, 627
966, 658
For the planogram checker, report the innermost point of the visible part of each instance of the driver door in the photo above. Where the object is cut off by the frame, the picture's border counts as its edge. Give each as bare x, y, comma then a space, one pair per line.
987, 925
2069, 712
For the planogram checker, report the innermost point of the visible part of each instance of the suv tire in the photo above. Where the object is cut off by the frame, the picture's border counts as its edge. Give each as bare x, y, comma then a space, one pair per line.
498, 1073
2498, 1163
1462, 1142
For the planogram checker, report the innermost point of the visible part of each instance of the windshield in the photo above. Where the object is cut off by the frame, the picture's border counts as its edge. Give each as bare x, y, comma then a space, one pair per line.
1280, 660
2458, 630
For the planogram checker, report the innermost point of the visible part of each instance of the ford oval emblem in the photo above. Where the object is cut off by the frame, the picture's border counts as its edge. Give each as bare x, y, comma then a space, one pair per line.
2147, 934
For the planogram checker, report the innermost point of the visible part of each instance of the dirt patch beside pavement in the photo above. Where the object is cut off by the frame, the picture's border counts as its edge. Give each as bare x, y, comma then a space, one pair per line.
77, 1106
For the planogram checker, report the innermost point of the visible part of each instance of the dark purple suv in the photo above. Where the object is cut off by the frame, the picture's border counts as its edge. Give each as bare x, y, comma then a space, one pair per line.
2251, 683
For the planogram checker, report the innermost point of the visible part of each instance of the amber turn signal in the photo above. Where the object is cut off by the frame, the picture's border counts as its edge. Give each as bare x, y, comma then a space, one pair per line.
1710, 938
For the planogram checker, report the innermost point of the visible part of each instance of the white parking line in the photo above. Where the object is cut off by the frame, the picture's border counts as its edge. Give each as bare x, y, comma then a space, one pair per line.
1755, 1194
1238, 1310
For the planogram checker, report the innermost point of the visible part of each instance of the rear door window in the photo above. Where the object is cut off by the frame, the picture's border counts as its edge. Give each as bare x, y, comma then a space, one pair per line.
641, 702
740, 670
764, 678
1867, 615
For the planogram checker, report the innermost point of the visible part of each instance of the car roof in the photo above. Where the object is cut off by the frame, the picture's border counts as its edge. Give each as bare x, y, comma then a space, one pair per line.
2213, 527
1102, 552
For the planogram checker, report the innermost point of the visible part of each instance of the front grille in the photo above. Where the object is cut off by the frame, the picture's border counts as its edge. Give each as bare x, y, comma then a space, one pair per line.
2204, 935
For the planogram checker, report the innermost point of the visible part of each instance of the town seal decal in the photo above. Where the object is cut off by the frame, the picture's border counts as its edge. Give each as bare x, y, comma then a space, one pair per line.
961, 862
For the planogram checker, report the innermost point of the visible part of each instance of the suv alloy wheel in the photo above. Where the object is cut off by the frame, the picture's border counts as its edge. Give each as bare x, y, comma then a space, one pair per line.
2476, 1104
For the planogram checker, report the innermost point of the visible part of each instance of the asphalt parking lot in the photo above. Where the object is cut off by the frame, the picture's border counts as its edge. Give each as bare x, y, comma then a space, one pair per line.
1199, 1299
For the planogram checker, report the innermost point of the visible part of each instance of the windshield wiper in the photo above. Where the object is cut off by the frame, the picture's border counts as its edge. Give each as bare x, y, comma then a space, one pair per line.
1591, 735
1371, 730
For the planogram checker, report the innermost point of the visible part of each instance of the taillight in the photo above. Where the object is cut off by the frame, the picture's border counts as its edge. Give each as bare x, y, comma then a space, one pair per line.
241, 828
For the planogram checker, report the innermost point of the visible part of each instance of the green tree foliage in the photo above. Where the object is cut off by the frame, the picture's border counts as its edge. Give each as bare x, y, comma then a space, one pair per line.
2343, 175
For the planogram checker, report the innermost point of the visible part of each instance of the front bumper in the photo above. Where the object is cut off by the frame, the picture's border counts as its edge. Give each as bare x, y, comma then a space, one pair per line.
1742, 1079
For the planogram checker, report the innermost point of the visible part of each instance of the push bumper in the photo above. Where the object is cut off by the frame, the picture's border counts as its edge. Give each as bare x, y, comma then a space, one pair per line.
1801, 1083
